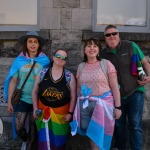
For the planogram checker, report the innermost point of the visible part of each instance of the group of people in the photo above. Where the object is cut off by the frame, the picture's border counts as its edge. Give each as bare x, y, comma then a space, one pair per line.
108, 90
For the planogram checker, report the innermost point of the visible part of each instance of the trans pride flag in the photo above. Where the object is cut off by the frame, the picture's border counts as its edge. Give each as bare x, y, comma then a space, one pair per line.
20, 61
101, 126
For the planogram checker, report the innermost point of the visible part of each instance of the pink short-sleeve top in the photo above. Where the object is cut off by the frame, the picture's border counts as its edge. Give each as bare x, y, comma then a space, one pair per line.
93, 77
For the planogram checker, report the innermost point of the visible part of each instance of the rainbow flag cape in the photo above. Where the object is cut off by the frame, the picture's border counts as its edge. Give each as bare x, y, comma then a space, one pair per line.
51, 127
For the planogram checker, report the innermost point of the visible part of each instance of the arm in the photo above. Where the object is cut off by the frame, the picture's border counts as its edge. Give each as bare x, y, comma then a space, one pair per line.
35, 95
144, 62
78, 86
72, 97
11, 89
146, 67
116, 93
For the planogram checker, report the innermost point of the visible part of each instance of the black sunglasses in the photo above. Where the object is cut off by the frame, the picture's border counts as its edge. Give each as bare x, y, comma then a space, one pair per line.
109, 34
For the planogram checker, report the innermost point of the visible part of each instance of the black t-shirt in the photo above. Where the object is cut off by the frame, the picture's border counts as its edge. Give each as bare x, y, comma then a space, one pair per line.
54, 93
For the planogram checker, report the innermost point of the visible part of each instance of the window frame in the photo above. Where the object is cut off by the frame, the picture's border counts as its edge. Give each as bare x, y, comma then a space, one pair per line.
136, 29
24, 27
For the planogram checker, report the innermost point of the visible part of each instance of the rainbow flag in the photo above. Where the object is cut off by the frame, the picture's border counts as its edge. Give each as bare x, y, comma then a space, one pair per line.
136, 66
52, 129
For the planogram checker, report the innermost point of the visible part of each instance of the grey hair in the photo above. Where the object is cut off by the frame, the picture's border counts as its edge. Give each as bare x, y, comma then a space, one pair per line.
110, 27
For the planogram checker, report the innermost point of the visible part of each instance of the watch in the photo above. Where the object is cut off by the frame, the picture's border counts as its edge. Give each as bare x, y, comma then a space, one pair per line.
71, 113
119, 107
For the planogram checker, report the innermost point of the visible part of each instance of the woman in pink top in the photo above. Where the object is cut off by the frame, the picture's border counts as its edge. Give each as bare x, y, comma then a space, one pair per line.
98, 103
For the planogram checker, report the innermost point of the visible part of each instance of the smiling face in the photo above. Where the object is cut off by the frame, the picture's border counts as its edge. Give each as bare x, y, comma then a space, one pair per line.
32, 45
112, 37
91, 50
60, 58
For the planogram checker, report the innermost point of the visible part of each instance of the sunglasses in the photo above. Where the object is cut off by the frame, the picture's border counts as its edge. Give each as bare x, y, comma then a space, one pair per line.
109, 34
61, 57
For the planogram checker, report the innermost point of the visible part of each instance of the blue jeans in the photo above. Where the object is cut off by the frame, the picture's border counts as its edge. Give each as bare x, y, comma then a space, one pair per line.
132, 108
86, 114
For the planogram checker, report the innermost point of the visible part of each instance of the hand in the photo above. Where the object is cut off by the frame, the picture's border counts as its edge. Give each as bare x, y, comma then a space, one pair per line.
34, 113
10, 108
68, 117
145, 81
117, 113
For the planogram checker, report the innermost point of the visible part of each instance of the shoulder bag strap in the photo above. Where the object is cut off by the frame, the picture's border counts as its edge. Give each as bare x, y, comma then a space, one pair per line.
104, 67
42, 73
28, 75
81, 66
67, 76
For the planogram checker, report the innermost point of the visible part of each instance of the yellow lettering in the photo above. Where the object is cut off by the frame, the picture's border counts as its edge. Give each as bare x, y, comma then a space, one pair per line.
44, 93
54, 94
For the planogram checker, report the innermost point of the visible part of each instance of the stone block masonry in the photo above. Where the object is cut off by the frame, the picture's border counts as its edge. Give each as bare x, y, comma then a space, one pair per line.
65, 24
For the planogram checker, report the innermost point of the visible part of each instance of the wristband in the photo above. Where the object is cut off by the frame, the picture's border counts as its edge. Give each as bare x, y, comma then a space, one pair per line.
119, 107
71, 113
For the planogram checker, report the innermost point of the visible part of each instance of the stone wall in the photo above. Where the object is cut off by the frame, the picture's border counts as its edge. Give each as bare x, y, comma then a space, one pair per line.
65, 24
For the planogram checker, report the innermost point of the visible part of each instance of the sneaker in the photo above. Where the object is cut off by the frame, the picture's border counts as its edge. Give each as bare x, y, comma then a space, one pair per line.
24, 146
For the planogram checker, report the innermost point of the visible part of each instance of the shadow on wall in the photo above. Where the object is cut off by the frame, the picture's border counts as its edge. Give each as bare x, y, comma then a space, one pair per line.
9, 52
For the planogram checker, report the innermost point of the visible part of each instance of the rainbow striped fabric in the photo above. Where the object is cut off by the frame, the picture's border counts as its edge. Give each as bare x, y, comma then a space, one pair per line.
136, 66
101, 126
52, 129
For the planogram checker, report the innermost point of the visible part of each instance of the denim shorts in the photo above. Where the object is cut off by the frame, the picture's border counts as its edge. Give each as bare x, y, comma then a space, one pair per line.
23, 107
86, 113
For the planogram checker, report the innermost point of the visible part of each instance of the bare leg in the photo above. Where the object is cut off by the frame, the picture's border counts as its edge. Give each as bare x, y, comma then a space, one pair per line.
94, 146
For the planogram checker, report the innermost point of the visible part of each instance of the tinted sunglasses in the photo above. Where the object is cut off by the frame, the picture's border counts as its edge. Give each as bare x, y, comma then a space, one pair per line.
61, 57
109, 34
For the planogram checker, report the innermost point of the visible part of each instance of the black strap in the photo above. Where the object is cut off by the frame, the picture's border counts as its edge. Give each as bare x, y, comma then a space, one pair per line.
28, 75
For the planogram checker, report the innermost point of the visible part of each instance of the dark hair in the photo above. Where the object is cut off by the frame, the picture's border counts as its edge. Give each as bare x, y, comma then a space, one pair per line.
91, 41
25, 50
59, 49
110, 26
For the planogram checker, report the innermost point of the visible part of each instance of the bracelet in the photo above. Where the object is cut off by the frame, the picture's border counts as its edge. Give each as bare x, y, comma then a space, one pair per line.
119, 107
71, 113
